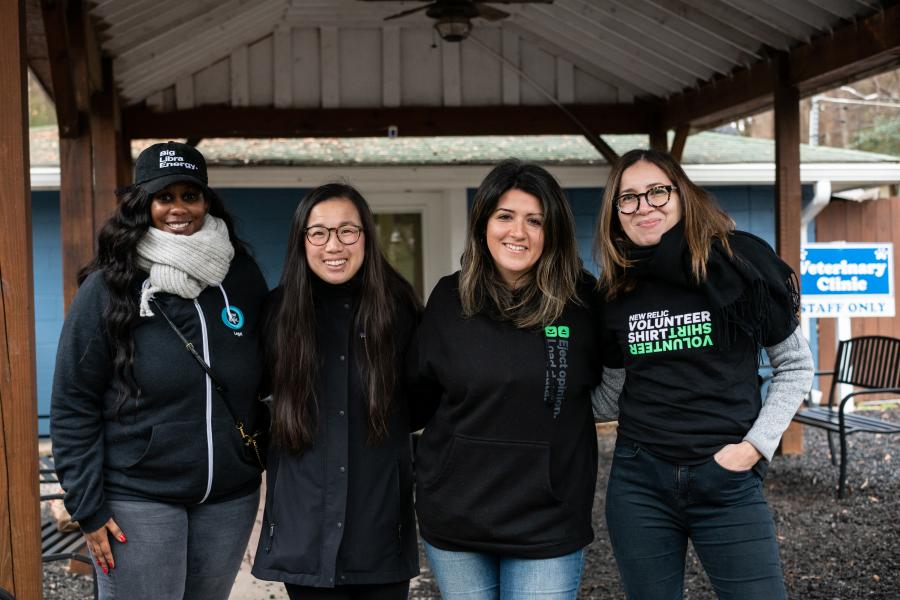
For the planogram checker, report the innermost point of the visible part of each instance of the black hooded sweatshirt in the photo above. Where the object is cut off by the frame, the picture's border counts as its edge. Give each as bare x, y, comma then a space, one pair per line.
508, 462
176, 441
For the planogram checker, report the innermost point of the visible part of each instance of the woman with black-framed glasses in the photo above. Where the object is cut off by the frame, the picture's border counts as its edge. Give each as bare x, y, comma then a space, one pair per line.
690, 304
339, 518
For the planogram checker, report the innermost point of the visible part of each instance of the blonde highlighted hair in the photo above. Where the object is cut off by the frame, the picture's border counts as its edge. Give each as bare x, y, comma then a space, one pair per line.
551, 283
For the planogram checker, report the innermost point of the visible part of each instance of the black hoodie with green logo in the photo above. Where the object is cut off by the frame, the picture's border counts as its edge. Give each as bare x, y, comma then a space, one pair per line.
508, 461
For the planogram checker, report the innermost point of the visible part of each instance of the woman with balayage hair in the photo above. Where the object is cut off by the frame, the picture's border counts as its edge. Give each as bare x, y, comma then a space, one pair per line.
507, 464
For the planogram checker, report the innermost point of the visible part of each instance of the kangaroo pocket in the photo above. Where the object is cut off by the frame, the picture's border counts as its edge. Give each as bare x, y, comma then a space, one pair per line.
494, 491
174, 464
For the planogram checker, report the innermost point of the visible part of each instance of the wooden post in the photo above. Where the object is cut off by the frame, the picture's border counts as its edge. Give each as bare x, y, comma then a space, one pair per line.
787, 194
20, 548
76, 189
107, 145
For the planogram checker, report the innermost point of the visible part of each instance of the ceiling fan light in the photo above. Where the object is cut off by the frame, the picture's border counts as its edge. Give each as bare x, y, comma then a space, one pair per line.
453, 28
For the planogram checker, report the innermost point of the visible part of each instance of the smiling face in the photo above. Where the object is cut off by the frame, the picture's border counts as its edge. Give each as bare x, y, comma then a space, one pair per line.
647, 224
335, 262
515, 235
179, 208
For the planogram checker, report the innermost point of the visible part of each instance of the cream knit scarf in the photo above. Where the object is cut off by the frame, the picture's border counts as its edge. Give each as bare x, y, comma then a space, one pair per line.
183, 264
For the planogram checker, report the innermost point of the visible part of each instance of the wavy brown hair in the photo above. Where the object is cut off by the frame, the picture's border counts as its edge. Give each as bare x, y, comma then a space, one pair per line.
552, 280
704, 223
295, 355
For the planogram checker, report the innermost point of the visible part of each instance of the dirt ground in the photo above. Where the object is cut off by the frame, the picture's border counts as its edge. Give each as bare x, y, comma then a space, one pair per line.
830, 549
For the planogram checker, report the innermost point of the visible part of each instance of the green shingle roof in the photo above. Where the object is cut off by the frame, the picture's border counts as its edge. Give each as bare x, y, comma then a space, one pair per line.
701, 148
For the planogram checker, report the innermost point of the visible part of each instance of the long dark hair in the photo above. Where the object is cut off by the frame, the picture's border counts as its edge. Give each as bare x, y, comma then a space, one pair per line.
704, 222
295, 356
551, 282
116, 259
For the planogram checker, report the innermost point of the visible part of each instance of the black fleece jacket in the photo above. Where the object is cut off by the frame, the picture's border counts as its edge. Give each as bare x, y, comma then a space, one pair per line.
508, 462
176, 442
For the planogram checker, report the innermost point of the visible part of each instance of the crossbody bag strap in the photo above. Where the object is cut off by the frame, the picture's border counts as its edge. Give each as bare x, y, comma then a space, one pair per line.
249, 439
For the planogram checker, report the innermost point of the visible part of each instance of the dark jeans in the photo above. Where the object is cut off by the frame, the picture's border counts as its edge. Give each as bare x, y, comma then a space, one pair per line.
387, 591
653, 507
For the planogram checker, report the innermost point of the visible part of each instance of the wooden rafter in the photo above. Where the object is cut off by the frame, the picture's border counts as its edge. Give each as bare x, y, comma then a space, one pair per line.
56, 32
679, 141
216, 121
849, 52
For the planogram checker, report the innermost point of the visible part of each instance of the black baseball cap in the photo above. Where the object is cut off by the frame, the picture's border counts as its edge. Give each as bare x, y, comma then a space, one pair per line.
161, 165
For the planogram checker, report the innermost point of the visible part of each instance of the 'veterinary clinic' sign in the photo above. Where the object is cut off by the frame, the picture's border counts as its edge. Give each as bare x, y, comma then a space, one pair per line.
844, 279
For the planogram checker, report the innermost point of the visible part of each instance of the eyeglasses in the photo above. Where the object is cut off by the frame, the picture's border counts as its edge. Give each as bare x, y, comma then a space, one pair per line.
318, 235
656, 197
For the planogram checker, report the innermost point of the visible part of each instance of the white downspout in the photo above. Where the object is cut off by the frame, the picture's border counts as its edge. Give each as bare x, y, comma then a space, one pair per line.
820, 200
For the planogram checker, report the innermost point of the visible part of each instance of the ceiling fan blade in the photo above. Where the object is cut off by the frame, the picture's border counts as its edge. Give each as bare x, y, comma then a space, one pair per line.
489, 12
409, 12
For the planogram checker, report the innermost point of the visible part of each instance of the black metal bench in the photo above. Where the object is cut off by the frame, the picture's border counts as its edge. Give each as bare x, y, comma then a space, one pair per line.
56, 544
869, 362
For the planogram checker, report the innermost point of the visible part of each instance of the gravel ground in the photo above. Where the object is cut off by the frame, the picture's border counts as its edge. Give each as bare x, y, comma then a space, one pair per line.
830, 549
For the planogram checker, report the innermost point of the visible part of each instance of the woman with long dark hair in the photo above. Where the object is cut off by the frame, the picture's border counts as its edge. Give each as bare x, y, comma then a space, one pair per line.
143, 436
690, 303
507, 464
338, 520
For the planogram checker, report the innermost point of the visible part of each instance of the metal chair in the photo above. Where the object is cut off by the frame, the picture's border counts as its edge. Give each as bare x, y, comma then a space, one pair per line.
56, 544
869, 362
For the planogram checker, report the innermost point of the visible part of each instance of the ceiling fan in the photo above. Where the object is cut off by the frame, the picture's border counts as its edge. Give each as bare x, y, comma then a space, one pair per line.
453, 17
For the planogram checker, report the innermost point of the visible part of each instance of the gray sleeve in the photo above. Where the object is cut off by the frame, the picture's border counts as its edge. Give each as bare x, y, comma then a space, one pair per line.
791, 380
605, 397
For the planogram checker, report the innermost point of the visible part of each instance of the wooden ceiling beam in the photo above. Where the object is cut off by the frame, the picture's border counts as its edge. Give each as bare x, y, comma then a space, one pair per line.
850, 52
218, 121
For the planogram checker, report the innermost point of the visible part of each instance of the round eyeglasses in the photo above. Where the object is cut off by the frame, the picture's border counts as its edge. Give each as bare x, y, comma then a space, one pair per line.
318, 235
657, 196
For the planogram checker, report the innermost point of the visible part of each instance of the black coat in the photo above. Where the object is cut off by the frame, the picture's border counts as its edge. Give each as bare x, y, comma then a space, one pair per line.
341, 512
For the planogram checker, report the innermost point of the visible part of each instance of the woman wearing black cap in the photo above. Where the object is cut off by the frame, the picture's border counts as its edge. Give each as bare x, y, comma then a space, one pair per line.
143, 430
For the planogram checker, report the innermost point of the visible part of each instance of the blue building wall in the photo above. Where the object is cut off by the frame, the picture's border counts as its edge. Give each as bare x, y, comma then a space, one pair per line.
263, 219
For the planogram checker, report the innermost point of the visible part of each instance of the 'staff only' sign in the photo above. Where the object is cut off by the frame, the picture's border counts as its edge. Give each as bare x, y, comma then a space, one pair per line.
840, 279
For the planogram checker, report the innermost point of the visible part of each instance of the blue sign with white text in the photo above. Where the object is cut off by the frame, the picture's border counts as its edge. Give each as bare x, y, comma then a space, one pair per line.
847, 279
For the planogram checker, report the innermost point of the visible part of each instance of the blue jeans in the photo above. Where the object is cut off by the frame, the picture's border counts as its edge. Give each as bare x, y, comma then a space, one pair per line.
653, 507
177, 552
480, 576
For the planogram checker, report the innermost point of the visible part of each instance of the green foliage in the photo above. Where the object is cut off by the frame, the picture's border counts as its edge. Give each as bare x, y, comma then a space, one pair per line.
41, 110
882, 136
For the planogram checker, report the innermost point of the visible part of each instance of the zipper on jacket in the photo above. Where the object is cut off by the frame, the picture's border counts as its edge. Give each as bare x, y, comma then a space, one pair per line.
269, 511
401, 507
271, 537
209, 437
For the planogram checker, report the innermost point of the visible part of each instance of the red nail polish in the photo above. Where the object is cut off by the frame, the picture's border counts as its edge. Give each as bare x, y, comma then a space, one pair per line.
122, 538
105, 570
